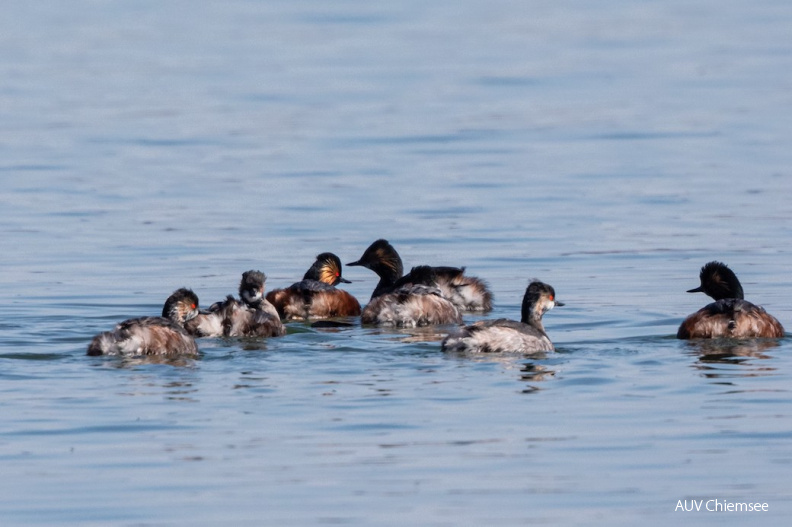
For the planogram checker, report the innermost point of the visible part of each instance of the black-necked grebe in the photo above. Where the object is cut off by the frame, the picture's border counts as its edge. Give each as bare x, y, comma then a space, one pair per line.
729, 315
504, 335
411, 305
316, 295
163, 335
404, 301
467, 293
253, 316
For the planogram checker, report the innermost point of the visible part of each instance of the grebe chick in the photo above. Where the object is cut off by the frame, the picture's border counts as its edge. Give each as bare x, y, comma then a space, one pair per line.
316, 295
163, 335
729, 315
467, 293
504, 335
253, 316
251, 291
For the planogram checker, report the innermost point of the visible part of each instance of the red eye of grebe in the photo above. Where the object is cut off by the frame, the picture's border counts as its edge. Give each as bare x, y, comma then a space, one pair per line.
552, 297
192, 306
338, 274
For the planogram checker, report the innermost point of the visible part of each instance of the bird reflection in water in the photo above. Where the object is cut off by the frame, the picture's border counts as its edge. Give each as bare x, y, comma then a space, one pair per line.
715, 355
532, 372
137, 361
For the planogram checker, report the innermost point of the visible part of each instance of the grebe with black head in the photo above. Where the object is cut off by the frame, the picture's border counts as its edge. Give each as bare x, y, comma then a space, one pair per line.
730, 315
404, 301
316, 295
467, 293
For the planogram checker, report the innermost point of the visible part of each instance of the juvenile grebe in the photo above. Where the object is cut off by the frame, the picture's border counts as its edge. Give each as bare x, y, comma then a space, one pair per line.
241, 320
729, 315
163, 335
504, 335
316, 295
253, 316
467, 293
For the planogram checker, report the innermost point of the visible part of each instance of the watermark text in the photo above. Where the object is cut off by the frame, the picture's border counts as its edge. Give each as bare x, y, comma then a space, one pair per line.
715, 505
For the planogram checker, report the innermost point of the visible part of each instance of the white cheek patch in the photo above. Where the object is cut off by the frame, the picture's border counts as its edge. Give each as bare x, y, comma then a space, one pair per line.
252, 295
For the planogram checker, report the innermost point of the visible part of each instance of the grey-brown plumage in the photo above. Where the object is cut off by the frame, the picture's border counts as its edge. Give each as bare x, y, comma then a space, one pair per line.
411, 305
240, 320
730, 315
251, 291
504, 335
467, 293
163, 335
252, 316
208, 323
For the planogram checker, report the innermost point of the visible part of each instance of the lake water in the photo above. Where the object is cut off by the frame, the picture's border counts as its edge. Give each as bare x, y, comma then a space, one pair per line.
609, 149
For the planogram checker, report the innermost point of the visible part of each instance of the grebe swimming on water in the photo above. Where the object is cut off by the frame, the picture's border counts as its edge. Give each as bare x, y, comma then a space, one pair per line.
729, 315
467, 293
409, 301
253, 316
316, 295
504, 335
163, 335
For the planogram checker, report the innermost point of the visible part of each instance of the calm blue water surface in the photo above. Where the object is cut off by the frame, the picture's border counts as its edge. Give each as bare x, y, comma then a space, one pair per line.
609, 149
